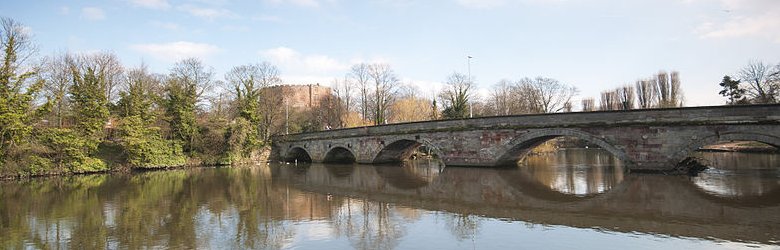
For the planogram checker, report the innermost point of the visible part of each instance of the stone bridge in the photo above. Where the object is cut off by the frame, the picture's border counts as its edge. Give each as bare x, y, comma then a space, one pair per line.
645, 140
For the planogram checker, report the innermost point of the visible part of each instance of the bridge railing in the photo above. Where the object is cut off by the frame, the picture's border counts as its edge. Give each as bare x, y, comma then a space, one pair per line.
708, 115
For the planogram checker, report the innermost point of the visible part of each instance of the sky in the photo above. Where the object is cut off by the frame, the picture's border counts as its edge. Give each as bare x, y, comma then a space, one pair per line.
594, 45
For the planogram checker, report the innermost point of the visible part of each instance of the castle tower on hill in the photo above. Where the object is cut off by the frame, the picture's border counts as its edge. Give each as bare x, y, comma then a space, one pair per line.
303, 96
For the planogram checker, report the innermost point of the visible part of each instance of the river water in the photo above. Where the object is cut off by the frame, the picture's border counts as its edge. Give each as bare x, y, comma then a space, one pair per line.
572, 199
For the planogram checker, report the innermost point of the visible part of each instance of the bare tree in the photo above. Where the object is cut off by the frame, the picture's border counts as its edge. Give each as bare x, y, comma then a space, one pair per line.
193, 73
385, 82
552, 94
609, 101
360, 74
668, 89
16, 39
625, 96
456, 95
646, 93
501, 97
342, 90
58, 78
109, 68
588, 104
762, 82
246, 81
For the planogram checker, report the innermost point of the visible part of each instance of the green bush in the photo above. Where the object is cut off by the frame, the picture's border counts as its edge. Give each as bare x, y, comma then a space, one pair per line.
145, 147
72, 152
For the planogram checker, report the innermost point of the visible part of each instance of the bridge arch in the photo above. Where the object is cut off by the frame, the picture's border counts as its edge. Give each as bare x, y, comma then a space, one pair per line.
339, 154
519, 147
686, 150
297, 154
402, 149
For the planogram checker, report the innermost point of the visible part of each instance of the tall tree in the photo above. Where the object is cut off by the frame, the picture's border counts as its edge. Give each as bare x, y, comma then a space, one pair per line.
588, 104
18, 89
57, 74
551, 94
646, 93
609, 101
141, 93
501, 97
192, 73
180, 104
625, 97
385, 83
455, 96
668, 89
270, 102
732, 90
359, 73
90, 104
342, 89
410, 108
762, 82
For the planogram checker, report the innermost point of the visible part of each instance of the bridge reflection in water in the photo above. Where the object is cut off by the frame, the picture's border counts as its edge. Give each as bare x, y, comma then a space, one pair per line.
382, 207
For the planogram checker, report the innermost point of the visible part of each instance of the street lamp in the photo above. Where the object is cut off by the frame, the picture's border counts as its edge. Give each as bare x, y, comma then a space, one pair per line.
471, 103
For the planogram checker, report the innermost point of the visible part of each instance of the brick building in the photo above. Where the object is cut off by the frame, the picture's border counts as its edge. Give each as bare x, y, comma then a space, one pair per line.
303, 96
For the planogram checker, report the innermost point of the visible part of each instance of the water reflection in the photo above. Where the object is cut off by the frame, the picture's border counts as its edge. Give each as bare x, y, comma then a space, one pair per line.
369, 207
742, 175
578, 172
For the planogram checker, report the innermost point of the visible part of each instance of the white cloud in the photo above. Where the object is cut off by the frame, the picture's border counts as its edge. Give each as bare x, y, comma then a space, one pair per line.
207, 13
152, 4
290, 60
64, 10
757, 19
93, 13
174, 51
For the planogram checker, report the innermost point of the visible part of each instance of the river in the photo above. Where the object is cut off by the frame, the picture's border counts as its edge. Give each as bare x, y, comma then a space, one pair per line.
571, 199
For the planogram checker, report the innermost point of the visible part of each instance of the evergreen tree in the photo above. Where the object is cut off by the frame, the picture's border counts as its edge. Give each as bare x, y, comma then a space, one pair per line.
732, 91
180, 112
90, 104
456, 96
17, 89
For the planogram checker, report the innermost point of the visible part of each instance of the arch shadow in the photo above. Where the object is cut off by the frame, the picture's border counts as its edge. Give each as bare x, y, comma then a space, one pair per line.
519, 147
401, 150
685, 151
297, 154
339, 155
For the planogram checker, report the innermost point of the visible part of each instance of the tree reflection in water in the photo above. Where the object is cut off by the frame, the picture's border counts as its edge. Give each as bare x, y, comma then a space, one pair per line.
578, 172
373, 207
369, 225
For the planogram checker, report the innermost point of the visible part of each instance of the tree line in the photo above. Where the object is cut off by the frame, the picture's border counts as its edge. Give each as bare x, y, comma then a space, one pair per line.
86, 112
756, 83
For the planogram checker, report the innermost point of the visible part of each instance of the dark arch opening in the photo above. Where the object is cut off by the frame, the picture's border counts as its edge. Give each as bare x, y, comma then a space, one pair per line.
339, 155
403, 150
297, 154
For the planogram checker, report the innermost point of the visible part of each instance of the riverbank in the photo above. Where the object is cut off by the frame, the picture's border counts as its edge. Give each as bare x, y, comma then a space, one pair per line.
742, 147
117, 162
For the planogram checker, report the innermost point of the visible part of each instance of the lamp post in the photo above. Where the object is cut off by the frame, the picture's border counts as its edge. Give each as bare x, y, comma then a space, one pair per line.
471, 103
286, 117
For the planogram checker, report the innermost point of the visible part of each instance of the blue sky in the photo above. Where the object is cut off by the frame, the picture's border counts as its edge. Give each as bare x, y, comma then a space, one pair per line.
592, 44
